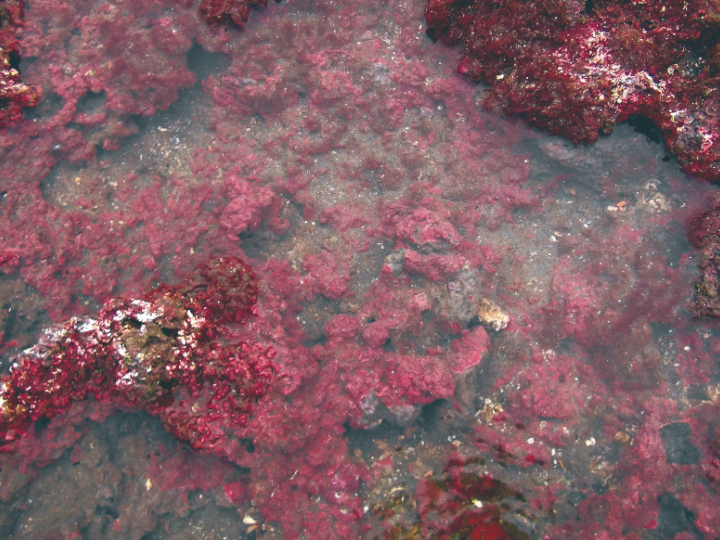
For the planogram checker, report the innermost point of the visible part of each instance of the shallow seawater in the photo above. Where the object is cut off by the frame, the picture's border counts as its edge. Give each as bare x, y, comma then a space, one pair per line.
482, 330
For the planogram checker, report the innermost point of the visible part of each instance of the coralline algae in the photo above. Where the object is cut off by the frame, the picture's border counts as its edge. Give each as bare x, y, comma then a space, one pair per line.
577, 69
477, 329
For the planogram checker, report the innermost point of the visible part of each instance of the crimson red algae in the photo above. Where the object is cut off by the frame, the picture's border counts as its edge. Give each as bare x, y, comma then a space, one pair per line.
576, 69
14, 94
158, 353
704, 233
440, 285
225, 11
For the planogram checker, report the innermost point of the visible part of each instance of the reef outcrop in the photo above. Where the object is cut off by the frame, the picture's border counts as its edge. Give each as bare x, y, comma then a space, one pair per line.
14, 94
159, 353
578, 68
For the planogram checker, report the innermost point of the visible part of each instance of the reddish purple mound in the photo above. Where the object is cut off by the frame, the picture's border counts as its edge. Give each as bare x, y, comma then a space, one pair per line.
576, 69
464, 502
703, 231
222, 290
158, 353
14, 95
226, 11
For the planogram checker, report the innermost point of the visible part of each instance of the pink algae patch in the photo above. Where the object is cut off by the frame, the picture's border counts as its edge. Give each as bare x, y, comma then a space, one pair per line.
433, 267
247, 205
378, 205
469, 350
327, 275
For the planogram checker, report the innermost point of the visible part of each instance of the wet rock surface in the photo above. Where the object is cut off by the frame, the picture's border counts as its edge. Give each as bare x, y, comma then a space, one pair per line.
333, 148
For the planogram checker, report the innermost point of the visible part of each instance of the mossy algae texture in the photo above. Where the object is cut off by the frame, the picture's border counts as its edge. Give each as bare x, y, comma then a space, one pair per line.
454, 301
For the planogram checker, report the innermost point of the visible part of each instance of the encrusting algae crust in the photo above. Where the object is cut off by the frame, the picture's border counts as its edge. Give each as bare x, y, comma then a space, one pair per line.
447, 324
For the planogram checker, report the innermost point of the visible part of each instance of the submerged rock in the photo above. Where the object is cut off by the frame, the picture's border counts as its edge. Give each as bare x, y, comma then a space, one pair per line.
704, 233
159, 353
576, 69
